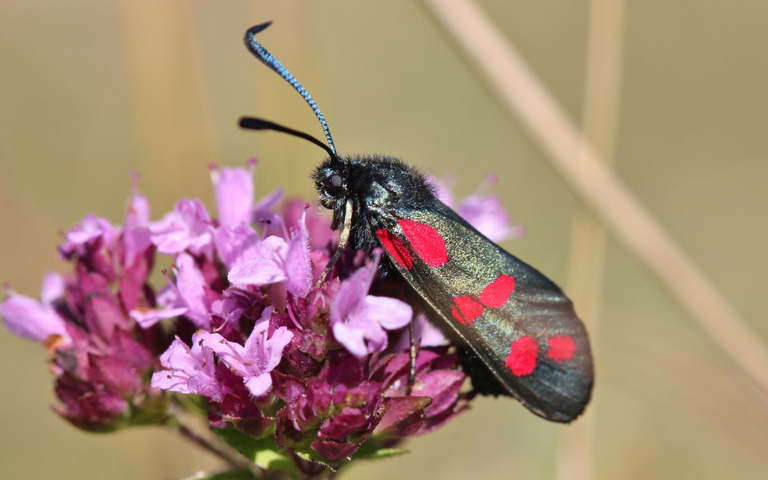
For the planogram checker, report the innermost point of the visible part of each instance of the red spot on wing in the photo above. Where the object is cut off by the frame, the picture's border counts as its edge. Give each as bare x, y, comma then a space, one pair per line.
426, 241
468, 310
561, 348
396, 248
522, 358
457, 315
497, 293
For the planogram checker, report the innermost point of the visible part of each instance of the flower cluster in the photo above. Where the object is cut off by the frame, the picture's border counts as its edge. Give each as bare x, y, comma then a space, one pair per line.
321, 371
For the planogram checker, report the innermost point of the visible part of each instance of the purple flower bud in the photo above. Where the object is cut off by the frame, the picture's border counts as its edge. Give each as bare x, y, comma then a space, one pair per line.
404, 417
244, 415
113, 374
87, 408
102, 310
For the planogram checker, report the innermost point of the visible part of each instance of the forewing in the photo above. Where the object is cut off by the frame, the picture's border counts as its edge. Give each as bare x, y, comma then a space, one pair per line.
515, 319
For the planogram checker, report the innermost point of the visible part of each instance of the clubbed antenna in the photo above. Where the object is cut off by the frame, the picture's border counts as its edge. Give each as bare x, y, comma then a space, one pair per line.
262, 54
252, 123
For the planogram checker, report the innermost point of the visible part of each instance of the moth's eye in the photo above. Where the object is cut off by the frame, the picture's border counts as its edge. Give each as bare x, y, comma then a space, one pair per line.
334, 184
336, 181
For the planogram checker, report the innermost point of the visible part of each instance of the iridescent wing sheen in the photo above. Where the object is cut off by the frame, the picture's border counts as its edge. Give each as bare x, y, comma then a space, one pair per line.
515, 319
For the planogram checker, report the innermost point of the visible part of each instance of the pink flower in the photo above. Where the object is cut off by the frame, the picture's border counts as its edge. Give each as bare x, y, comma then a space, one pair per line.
268, 362
481, 210
189, 296
87, 231
254, 360
233, 190
236, 244
425, 333
278, 261
187, 227
33, 319
136, 237
358, 319
189, 370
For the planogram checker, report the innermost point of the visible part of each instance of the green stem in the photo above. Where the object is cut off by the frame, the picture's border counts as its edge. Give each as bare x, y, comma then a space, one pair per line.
226, 453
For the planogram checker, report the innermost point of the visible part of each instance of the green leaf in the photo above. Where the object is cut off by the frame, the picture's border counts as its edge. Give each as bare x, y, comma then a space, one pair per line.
367, 451
238, 474
196, 404
262, 451
314, 457
370, 451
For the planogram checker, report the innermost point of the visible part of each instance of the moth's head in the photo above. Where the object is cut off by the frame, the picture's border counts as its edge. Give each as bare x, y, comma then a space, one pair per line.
332, 182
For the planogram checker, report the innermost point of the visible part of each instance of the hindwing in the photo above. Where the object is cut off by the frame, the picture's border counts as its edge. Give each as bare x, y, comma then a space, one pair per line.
516, 320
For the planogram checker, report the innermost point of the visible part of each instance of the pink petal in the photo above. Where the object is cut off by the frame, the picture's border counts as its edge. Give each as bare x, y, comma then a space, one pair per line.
233, 189
53, 288
231, 353
443, 189
390, 313
189, 370
138, 212
351, 294
264, 268
352, 339
273, 350
298, 268
430, 335
253, 343
191, 285
487, 215
90, 228
257, 271
146, 317
263, 208
29, 318
187, 225
235, 244
259, 385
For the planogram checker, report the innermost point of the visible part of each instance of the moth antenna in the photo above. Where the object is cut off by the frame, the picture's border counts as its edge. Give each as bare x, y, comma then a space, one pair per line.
267, 59
253, 123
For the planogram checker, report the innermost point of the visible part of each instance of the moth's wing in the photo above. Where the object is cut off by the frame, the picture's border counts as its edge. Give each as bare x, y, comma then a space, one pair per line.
515, 319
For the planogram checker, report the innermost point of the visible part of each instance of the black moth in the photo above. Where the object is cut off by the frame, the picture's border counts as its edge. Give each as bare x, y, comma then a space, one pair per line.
525, 338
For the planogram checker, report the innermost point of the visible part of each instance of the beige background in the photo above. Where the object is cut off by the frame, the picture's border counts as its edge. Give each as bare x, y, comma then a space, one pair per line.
90, 89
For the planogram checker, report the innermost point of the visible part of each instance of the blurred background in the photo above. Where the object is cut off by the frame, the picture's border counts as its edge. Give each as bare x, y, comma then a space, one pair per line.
90, 90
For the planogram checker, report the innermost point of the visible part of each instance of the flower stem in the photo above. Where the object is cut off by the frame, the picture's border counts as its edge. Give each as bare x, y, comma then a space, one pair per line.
221, 450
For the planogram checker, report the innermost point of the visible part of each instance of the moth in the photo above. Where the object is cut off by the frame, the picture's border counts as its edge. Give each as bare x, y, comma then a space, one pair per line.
523, 336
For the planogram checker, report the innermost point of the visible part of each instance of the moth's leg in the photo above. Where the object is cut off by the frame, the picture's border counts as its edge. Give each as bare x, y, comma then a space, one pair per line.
412, 334
343, 240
